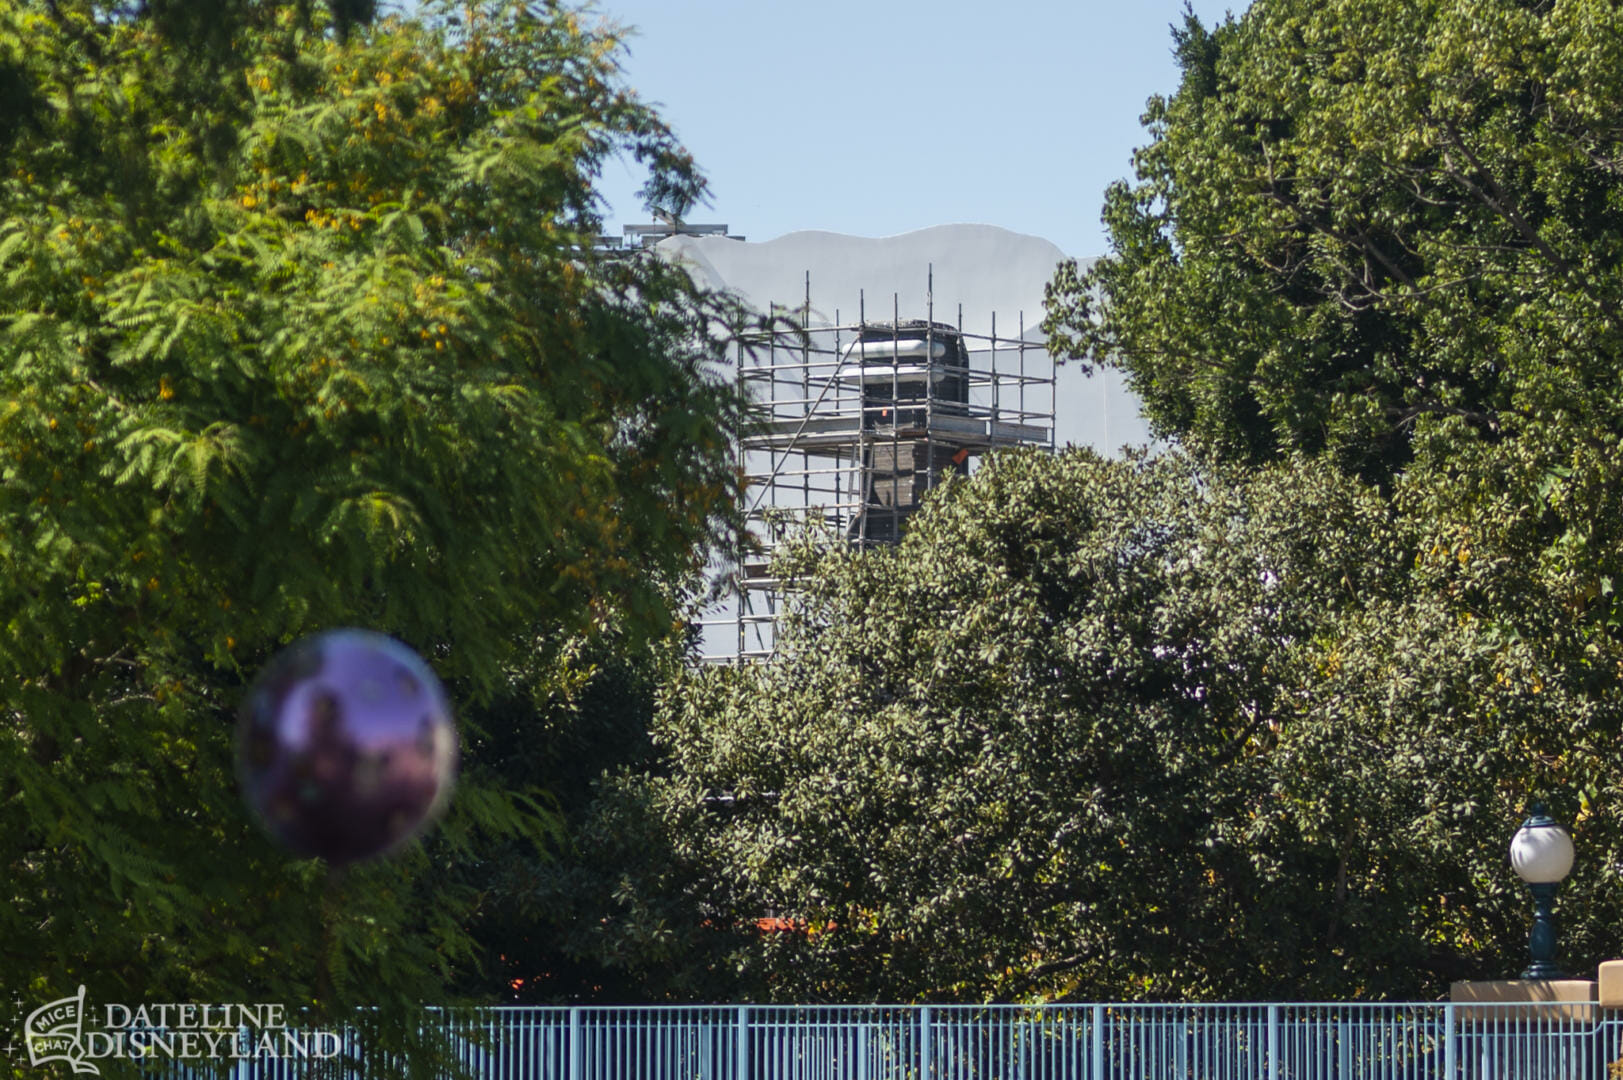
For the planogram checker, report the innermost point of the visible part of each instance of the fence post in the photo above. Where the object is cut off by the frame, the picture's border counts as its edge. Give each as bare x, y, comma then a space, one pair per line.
1450, 1062
1098, 1043
741, 1053
577, 1050
1273, 1042
924, 1042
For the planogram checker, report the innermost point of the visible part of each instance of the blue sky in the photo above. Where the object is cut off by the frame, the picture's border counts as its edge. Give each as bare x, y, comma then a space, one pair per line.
884, 116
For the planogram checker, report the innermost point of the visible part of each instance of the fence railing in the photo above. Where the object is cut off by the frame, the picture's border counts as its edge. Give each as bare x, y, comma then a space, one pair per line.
1288, 1041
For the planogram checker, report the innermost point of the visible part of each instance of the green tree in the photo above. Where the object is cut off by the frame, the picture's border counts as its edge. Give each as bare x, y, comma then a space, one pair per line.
1143, 729
301, 329
561, 738
1361, 224
1391, 234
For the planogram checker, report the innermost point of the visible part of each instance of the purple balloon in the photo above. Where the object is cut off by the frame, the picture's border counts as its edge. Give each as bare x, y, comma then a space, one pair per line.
345, 745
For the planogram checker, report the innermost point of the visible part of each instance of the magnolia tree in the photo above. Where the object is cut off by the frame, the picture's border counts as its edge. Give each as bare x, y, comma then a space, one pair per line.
1144, 729
1386, 236
1389, 233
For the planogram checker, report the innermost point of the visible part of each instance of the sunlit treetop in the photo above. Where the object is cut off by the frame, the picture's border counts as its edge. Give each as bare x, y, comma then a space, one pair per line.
338, 300
1389, 232
302, 328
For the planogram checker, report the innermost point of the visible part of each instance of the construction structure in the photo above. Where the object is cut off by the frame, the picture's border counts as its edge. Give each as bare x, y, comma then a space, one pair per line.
642, 237
856, 422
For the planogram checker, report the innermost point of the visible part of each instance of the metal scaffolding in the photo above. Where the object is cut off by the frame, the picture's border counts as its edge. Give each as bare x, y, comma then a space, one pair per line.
857, 422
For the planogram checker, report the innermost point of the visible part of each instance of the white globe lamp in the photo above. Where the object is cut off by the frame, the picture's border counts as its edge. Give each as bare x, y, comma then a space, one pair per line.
1541, 853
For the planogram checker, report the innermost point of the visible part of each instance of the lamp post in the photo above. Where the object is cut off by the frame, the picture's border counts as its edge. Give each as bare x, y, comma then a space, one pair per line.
1541, 852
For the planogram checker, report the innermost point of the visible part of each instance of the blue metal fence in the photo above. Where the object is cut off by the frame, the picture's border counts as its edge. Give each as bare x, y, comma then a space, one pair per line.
1287, 1041
1057, 1042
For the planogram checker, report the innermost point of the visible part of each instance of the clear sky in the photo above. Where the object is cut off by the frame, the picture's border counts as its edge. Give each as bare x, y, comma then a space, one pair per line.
876, 117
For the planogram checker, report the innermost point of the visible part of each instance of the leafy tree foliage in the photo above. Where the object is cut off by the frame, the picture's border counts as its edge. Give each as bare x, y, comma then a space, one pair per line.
1249, 728
1139, 729
1387, 234
561, 739
301, 329
1386, 231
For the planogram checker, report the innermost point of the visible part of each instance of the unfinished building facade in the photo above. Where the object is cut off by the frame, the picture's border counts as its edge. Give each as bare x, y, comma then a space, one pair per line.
857, 421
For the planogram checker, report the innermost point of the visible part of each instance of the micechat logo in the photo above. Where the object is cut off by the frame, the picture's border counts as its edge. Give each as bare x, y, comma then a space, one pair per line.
58, 1031
55, 1032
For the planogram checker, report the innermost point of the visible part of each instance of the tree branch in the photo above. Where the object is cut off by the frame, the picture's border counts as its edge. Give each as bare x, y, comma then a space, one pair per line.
1491, 194
1406, 416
